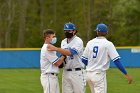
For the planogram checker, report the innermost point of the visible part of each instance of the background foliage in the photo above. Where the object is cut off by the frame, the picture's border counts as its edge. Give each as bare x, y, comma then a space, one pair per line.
23, 21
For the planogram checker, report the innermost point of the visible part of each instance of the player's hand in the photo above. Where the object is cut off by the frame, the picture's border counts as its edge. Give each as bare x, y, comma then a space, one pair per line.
51, 47
129, 78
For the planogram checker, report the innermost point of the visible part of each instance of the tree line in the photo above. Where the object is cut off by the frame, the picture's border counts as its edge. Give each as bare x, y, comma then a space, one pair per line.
22, 21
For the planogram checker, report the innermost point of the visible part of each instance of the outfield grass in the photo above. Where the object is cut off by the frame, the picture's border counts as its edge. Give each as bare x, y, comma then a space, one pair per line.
28, 81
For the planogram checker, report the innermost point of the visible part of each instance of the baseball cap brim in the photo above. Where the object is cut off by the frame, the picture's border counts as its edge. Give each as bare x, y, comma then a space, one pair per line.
68, 29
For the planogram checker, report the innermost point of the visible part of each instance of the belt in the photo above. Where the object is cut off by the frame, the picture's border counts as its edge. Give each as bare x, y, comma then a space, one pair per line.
52, 74
75, 69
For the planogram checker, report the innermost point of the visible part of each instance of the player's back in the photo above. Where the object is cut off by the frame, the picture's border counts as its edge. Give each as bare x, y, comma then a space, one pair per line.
98, 58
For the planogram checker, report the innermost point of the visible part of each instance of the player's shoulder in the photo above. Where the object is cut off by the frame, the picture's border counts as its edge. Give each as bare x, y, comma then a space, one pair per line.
109, 43
91, 41
44, 46
44, 49
78, 39
64, 40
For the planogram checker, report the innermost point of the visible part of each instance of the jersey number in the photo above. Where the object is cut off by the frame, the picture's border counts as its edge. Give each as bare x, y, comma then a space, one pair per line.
95, 51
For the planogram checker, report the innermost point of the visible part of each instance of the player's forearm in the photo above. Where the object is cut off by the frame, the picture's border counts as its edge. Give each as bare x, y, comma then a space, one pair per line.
122, 69
120, 66
129, 78
60, 61
64, 51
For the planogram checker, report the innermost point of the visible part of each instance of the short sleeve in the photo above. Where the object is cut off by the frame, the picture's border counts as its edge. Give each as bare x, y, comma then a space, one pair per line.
112, 52
52, 57
85, 53
78, 46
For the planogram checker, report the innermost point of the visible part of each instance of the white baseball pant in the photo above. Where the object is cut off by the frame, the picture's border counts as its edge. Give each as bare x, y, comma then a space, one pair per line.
97, 81
50, 83
73, 81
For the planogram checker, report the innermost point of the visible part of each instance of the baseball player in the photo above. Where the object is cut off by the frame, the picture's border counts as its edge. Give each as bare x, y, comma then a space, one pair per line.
73, 73
49, 64
96, 56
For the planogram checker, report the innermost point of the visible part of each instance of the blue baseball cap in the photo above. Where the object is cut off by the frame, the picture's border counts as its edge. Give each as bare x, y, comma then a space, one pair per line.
102, 28
69, 26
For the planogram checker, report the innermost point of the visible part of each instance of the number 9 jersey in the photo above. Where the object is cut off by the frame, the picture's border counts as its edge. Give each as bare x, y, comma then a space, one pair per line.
98, 53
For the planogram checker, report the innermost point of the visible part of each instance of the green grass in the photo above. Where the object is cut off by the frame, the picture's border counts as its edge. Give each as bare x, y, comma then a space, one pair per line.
28, 81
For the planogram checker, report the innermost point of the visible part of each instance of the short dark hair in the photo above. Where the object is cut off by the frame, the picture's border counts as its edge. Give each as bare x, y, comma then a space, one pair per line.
48, 32
101, 33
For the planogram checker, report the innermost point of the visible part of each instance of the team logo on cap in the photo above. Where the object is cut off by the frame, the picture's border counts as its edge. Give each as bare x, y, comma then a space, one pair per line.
67, 26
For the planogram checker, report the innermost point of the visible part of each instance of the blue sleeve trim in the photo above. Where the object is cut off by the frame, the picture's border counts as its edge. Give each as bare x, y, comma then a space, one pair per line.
116, 58
85, 60
58, 54
120, 66
73, 51
55, 60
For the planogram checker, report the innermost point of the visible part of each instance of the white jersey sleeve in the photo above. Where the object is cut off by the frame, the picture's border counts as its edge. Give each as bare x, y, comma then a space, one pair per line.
51, 56
112, 52
86, 52
78, 46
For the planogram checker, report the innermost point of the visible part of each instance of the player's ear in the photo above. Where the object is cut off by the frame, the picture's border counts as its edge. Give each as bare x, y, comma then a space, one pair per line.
97, 33
44, 38
106, 33
47, 37
74, 31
